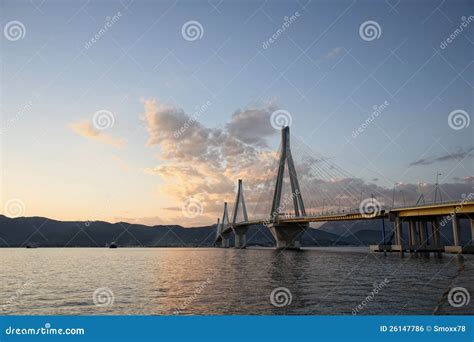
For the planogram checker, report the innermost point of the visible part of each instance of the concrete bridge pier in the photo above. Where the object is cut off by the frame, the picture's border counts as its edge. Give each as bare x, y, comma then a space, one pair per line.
241, 236
288, 235
412, 238
398, 235
436, 235
225, 243
472, 231
422, 231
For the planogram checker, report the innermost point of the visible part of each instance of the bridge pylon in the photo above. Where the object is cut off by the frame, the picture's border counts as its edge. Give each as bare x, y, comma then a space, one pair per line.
287, 235
240, 230
287, 158
223, 231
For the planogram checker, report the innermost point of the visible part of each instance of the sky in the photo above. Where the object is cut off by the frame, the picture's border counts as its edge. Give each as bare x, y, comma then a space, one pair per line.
149, 112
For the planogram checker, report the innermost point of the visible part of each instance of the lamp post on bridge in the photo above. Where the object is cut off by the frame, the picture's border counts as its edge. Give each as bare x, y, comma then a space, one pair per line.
437, 189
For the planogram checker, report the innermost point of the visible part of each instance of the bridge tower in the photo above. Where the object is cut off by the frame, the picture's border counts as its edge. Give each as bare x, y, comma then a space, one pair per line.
287, 235
218, 230
225, 231
240, 230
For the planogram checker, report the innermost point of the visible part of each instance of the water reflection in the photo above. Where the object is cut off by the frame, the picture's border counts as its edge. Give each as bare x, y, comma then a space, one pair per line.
222, 281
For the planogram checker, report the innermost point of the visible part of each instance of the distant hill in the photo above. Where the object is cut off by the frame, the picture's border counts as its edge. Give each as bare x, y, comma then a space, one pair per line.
44, 232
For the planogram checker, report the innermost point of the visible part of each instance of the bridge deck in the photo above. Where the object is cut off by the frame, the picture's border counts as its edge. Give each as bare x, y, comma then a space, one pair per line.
461, 208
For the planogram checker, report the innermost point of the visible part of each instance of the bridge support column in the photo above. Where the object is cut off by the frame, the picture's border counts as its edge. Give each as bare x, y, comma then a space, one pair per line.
412, 233
226, 240
422, 230
456, 231
398, 231
288, 235
456, 247
472, 231
241, 237
436, 232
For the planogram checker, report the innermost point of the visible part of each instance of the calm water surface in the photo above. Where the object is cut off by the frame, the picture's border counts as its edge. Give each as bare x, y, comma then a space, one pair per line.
157, 281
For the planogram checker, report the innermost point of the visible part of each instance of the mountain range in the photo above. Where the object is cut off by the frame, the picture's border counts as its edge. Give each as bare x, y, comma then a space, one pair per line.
45, 232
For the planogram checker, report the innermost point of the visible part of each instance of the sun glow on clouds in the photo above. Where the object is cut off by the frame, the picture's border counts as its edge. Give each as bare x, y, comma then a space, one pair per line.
87, 130
205, 163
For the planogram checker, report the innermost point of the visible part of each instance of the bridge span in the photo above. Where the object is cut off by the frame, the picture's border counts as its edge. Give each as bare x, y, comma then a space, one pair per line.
421, 223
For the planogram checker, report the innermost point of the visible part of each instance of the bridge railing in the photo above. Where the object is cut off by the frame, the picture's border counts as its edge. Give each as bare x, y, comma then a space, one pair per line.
383, 208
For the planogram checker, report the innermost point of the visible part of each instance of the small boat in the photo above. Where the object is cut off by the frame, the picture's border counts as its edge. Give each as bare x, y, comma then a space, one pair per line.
113, 245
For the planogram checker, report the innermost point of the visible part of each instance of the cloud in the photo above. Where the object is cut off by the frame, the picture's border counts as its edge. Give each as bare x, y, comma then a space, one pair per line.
334, 53
461, 154
204, 164
87, 130
467, 179
251, 126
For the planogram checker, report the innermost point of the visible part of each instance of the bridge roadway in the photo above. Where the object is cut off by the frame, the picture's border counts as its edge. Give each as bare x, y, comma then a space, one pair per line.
413, 215
435, 209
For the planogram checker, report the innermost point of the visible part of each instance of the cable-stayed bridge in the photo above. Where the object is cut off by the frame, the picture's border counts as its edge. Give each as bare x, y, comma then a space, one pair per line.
288, 217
